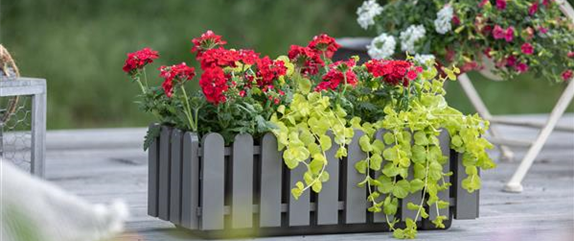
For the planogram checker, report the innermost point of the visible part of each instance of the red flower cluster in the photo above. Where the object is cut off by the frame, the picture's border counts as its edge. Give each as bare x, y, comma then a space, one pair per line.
213, 83
324, 43
248, 56
268, 70
394, 72
339, 72
501, 4
138, 59
218, 57
306, 57
207, 40
179, 72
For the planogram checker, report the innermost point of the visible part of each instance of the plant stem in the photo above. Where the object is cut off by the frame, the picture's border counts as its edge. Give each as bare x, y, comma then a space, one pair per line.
192, 126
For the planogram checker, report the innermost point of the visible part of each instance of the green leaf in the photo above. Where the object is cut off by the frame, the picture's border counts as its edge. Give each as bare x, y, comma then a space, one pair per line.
151, 135
401, 189
389, 138
365, 143
390, 170
390, 205
416, 185
385, 184
378, 146
325, 177
325, 142
456, 141
341, 152
421, 138
390, 154
361, 166
317, 186
418, 154
375, 162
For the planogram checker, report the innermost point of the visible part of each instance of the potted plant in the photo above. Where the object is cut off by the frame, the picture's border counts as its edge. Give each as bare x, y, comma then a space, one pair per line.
301, 144
500, 38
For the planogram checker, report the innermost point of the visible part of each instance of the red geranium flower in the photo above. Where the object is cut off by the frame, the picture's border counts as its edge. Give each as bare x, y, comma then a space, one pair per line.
207, 40
213, 83
527, 49
305, 57
179, 72
567, 74
392, 71
138, 59
269, 70
248, 56
324, 43
340, 72
219, 57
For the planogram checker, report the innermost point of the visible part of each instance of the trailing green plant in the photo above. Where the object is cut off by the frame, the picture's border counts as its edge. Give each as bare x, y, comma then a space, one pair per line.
314, 105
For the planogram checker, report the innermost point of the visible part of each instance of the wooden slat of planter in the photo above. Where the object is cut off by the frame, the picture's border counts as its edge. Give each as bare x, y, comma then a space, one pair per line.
328, 198
175, 177
355, 205
242, 184
444, 194
299, 212
466, 203
380, 216
164, 175
213, 182
153, 174
271, 166
190, 181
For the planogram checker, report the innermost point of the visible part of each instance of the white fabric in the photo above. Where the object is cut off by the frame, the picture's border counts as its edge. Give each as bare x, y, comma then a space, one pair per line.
33, 209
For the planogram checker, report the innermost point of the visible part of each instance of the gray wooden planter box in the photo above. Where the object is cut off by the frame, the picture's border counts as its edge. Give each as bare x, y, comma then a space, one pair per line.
244, 189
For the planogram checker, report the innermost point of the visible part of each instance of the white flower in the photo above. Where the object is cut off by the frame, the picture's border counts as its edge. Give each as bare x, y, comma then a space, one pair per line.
367, 13
410, 36
425, 59
443, 18
382, 47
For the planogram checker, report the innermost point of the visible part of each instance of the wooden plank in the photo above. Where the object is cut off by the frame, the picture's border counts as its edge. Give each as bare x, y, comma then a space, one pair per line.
328, 198
213, 182
242, 184
355, 204
444, 195
164, 169
271, 166
466, 203
175, 177
153, 174
190, 181
299, 212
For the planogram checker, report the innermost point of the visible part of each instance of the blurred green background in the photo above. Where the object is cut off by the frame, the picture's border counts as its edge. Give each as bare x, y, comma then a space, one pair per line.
79, 47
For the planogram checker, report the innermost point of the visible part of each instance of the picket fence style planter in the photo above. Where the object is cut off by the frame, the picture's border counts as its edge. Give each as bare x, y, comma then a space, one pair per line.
244, 189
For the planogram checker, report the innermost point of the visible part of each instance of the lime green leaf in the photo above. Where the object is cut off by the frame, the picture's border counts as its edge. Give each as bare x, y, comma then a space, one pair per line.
416, 185
365, 143
325, 142
401, 189
361, 166
375, 162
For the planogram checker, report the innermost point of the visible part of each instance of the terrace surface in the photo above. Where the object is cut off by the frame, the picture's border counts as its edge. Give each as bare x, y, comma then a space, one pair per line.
105, 164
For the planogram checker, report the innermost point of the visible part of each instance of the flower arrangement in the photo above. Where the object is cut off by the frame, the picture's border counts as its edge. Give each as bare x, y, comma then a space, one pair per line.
510, 36
313, 104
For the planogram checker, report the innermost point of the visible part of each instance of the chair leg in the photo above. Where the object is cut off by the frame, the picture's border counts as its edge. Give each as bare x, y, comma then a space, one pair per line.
514, 185
505, 153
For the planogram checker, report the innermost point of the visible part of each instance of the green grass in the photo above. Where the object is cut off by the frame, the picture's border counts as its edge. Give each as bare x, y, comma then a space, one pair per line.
79, 47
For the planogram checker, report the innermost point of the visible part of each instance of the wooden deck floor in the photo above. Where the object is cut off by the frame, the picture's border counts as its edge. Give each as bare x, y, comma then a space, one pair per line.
104, 164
